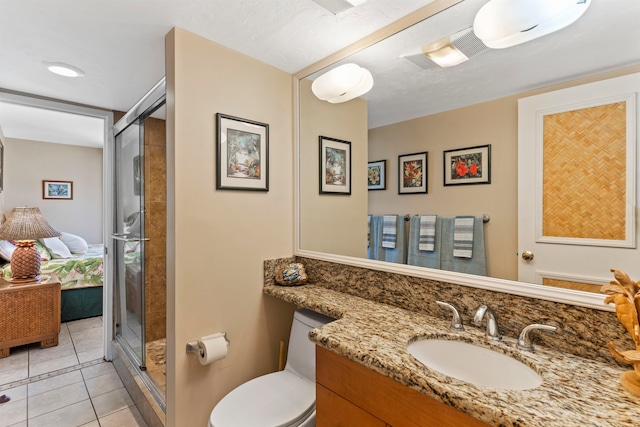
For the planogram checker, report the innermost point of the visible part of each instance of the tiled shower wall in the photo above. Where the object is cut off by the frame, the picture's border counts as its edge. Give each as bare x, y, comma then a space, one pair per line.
155, 190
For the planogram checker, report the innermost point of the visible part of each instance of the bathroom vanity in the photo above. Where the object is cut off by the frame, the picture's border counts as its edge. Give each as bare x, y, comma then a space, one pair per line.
365, 372
349, 394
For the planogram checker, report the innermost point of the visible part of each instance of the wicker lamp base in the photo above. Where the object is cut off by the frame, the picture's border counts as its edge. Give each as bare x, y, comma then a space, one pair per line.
25, 262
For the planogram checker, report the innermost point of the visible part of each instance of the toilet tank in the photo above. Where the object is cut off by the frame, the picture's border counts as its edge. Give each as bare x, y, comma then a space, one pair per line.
301, 357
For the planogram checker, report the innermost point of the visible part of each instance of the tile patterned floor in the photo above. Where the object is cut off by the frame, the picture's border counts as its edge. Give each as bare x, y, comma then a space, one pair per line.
65, 386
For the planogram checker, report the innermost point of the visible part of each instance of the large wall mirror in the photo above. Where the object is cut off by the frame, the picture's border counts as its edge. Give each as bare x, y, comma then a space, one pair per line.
418, 106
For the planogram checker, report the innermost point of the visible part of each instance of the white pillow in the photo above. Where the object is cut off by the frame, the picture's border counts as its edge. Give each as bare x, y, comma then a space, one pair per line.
6, 249
76, 244
56, 247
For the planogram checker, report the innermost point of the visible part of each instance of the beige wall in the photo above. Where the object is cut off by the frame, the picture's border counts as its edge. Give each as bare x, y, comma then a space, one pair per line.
28, 163
217, 240
343, 229
494, 123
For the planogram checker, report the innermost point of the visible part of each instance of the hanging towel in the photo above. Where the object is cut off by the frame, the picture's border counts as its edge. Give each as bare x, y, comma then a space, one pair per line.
476, 265
429, 259
463, 237
427, 233
389, 231
368, 230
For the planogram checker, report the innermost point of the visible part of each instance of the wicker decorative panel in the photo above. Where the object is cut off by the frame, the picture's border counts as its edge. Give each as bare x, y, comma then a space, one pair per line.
567, 284
584, 173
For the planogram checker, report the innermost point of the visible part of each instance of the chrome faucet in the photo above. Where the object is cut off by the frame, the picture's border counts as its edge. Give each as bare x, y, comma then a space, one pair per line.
524, 340
492, 322
456, 321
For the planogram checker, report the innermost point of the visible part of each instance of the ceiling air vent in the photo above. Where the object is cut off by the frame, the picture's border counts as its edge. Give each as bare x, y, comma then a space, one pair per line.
449, 51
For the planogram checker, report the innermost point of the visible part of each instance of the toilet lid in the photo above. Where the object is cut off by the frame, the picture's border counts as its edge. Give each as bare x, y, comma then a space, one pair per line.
273, 400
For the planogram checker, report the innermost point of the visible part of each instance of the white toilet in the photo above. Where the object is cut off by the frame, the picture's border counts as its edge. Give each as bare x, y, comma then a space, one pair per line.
285, 398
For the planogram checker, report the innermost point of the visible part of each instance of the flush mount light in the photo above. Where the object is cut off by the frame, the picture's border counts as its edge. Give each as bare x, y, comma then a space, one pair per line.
454, 49
63, 69
505, 23
337, 6
342, 84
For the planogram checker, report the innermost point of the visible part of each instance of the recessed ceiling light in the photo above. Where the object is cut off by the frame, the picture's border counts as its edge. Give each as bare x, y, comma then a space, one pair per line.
63, 69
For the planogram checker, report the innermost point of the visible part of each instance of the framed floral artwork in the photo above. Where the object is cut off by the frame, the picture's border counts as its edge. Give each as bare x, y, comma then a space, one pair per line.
335, 166
466, 166
377, 175
243, 154
412, 173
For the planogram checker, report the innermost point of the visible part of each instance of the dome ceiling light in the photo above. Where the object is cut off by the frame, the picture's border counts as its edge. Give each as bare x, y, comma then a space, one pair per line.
342, 83
505, 23
63, 69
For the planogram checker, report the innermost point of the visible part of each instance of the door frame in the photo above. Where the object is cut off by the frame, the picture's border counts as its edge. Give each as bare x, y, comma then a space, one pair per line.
107, 117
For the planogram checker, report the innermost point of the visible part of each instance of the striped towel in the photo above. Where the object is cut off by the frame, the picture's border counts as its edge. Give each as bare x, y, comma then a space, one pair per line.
368, 230
427, 233
463, 237
389, 231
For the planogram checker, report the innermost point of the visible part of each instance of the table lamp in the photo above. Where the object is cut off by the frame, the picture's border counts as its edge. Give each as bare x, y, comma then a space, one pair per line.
23, 227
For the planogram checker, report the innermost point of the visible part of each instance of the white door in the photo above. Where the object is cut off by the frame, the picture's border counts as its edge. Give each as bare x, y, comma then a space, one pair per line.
581, 221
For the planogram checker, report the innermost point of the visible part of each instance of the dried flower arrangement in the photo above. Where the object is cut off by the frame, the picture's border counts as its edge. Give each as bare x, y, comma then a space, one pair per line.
625, 294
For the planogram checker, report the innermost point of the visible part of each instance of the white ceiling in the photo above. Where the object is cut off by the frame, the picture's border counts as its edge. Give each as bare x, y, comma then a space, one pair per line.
120, 46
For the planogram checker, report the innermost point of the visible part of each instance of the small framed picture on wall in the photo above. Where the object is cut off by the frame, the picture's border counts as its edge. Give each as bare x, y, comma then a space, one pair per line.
466, 166
335, 166
61, 190
377, 175
412, 173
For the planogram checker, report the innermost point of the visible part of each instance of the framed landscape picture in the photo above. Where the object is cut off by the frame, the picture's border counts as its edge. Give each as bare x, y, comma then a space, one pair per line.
243, 154
412, 173
466, 166
377, 175
335, 166
57, 190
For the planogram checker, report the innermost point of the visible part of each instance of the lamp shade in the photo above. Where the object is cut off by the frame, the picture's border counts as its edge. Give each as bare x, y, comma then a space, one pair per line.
342, 84
505, 23
26, 224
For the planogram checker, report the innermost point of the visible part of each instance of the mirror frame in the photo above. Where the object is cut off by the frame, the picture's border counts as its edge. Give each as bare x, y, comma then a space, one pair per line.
561, 295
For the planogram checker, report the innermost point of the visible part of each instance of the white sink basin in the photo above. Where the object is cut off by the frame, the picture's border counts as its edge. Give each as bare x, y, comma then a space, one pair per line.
474, 364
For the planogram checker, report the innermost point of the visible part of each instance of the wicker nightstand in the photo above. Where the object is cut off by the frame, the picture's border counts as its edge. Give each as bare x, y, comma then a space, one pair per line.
30, 313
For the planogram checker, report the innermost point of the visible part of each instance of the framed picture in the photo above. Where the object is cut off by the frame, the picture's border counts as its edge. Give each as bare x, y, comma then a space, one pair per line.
62, 190
412, 173
243, 154
335, 166
467, 166
377, 175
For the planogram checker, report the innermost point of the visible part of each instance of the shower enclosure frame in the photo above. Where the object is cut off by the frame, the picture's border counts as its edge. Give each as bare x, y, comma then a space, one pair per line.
150, 102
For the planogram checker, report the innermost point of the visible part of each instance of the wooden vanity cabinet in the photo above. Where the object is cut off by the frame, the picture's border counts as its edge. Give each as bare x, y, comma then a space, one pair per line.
349, 394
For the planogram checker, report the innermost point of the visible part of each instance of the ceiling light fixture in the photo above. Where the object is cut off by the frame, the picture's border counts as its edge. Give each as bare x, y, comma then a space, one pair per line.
337, 6
342, 84
454, 49
63, 69
505, 23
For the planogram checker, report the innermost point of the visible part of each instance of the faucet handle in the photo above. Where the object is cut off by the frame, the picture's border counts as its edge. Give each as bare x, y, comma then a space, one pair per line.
524, 340
456, 321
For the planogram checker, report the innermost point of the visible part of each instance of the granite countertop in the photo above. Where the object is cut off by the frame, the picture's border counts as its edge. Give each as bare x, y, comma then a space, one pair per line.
575, 391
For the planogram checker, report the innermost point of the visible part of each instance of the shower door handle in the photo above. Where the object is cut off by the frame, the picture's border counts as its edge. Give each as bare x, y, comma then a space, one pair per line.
125, 238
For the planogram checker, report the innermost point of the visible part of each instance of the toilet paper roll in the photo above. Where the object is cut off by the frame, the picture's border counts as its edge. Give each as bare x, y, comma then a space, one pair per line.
212, 348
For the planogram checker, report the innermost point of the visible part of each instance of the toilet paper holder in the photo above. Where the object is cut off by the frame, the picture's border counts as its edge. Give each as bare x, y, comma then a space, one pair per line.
192, 346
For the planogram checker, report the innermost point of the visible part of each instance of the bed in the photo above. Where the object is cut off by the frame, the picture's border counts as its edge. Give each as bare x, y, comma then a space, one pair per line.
81, 280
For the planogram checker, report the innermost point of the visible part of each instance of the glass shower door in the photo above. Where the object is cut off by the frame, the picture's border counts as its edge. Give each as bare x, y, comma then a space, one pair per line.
129, 240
